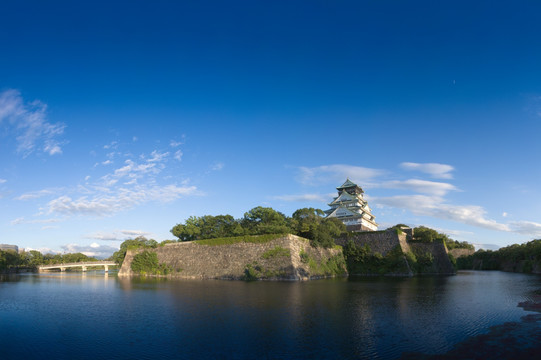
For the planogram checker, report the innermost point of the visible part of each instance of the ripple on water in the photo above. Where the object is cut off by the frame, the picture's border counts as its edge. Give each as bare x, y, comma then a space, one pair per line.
71, 316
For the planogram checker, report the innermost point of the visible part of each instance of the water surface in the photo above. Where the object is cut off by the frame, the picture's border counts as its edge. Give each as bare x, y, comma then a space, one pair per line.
77, 316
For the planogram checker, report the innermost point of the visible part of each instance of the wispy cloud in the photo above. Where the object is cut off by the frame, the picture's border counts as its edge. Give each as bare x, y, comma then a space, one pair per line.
3, 181
94, 249
119, 235
322, 198
336, 173
526, 228
111, 145
435, 206
178, 155
28, 121
420, 186
436, 170
36, 194
22, 220
134, 183
123, 199
217, 166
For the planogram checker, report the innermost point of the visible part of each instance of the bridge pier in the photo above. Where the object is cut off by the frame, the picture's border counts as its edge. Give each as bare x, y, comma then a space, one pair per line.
84, 268
106, 268
62, 269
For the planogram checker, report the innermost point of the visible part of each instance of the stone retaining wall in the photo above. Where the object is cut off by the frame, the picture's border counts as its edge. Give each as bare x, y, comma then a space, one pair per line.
195, 261
461, 252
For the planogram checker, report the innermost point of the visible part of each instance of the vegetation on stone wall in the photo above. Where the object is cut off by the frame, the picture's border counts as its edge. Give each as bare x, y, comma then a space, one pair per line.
276, 252
519, 258
255, 271
361, 260
139, 242
309, 223
146, 263
333, 266
255, 239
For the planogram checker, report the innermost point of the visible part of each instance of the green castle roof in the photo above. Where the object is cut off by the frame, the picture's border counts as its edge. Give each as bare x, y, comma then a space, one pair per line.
347, 184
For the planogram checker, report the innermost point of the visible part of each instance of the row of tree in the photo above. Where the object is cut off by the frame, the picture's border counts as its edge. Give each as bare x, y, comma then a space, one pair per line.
34, 258
428, 235
309, 223
528, 255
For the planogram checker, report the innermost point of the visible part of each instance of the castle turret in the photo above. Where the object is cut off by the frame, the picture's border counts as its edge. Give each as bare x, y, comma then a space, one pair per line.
350, 207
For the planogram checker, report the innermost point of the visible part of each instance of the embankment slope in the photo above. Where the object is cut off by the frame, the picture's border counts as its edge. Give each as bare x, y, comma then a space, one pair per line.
286, 257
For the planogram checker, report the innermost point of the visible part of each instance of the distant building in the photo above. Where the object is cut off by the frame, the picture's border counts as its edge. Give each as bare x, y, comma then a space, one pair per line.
350, 207
5, 247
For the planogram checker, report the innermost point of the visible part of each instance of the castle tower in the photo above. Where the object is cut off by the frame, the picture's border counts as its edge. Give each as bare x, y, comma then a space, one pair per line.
350, 207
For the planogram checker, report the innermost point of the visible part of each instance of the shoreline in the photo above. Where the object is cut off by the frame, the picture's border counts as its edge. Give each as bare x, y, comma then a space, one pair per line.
510, 340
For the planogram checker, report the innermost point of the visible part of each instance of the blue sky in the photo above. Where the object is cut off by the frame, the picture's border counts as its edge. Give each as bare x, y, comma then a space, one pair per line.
120, 119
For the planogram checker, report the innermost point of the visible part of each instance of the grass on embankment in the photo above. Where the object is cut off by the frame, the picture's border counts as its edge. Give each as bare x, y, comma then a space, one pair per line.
255, 239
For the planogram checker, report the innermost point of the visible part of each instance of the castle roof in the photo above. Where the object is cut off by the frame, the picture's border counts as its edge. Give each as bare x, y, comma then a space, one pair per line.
343, 212
345, 196
347, 184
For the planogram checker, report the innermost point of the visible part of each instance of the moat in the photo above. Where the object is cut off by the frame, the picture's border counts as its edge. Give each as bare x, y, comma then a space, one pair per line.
88, 316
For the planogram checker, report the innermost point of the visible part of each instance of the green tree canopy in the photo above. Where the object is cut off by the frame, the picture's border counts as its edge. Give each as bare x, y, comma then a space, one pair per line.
138, 242
265, 220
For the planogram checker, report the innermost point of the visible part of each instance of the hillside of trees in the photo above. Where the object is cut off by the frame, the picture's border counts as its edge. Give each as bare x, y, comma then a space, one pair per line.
520, 258
309, 223
428, 235
31, 259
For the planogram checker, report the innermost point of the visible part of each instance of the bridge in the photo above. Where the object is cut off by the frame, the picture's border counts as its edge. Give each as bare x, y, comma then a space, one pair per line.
83, 265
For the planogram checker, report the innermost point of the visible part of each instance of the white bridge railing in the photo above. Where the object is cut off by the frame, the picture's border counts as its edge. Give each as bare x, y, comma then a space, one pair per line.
83, 265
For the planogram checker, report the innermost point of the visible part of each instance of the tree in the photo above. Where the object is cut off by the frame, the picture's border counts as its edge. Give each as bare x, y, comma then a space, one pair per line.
425, 234
35, 258
310, 223
264, 220
306, 221
191, 230
138, 242
207, 227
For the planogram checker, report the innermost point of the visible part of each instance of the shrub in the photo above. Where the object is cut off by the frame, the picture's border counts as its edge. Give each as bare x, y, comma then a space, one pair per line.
304, 256
146, 263
252, 272
276, 252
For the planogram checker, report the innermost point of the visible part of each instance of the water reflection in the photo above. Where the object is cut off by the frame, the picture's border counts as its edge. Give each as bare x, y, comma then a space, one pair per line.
105, 316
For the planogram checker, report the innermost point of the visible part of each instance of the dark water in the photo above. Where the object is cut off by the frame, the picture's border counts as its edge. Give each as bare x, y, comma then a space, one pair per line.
76, 316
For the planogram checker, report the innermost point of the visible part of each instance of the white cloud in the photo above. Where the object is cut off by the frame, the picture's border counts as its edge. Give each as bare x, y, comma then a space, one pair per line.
3, 181
336, 173
420, 186
322, 198
29, 124
119, 235
178, 155
434, 206
486, 246
22, 220
112, 145
36, 194
157, 156
175, 144
43, 250
218, 166
438, 171
102, 205
504, 214
94, 249
453, 232
526, 228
